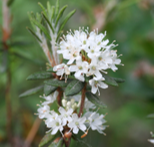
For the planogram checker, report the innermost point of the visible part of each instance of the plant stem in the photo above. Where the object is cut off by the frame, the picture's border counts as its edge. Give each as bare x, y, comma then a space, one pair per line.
59, 96
32, 133
82, 100
6, 35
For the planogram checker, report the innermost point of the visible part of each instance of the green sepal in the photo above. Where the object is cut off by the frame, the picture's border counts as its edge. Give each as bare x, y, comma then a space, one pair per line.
56, 144
74, 87
95, 100
43, 8
60, 14
34, 34
48, 22
110, 80
65, 20
31, 91
41, 27
48, 138
56, 83
40, 75
48, 89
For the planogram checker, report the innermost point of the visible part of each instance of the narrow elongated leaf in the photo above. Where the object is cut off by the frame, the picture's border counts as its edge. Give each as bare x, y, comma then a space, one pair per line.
94, 99
57, 8
43, 8
56, 83
48, 89
80, 141
40, 75
48, 138
42, 28
119, 80
48, 22
34, 34
10, 2
31, 91
110, 80
56, 144
65, 20
60, 14
52, 12
74, 87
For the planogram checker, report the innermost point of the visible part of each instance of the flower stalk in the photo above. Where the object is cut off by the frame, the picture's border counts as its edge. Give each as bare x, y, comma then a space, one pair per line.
82, 100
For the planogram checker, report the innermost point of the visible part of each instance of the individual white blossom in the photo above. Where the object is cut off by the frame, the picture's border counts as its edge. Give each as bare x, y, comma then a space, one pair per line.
95, 83
43, 111
77, 123
65, 115
50, 98
95, 121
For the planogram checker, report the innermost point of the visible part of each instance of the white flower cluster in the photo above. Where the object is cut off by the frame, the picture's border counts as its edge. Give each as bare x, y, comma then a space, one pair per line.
87, 55
67, 116
151, 140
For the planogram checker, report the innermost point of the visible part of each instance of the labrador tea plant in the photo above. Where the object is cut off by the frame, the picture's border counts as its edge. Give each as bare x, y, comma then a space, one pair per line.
77, 68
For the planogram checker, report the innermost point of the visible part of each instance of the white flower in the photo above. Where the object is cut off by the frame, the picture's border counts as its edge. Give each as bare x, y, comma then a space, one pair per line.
77, 123
95, 121
151, 140
50, 98
65, 115
80, 68
43, 111
61, 69
95, 83
115, 61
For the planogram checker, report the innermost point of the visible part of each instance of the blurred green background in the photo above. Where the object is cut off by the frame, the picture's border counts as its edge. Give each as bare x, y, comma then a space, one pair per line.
131, 24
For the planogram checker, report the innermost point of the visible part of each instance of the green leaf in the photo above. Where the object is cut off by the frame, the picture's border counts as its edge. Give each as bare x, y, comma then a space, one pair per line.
52, 12
34, 34
94, 99
80, 141
56, 83
43, 8
40, 75
74, 87
119, 80
48, 22
42, 28
31, 91
110, 80
60, 14
10, 2
57, 8
65, 20
48, 138
56, 144
48, 89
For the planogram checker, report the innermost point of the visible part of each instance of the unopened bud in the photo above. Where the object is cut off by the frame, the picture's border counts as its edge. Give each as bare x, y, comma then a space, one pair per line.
64, 102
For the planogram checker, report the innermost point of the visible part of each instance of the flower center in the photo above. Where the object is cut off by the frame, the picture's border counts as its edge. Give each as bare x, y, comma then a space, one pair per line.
93, 68
77, 123
84, 42
80, 67
57, 123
